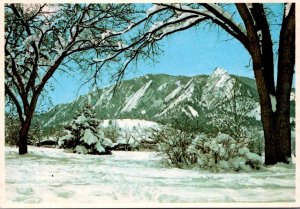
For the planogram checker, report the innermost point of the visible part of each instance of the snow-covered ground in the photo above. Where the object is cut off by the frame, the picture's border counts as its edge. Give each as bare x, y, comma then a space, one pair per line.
50, 177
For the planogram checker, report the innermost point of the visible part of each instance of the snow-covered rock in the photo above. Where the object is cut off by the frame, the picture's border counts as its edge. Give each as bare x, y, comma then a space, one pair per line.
219, 85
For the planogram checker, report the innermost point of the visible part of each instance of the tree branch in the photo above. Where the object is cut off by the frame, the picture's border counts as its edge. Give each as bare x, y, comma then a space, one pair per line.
254, 47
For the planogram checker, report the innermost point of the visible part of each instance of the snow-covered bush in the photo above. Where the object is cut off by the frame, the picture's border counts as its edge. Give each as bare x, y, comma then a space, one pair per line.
84, 135
129, 140
173, 143
223, 153
220, 153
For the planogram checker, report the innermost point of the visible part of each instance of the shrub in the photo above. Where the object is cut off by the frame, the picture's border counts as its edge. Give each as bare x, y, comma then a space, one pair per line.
174, 144
223, 153
220, 153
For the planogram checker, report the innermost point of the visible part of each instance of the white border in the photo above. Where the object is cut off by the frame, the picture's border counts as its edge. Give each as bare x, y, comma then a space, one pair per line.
144, 205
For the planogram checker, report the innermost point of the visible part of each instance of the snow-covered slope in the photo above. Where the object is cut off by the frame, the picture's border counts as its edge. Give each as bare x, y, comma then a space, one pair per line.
132, 101
219, 85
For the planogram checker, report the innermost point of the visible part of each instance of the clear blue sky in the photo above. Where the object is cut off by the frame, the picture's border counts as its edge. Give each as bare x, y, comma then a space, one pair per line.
191, 52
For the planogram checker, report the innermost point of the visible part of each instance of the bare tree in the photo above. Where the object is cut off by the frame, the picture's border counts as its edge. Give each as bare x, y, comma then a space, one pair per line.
250, 26
41, 39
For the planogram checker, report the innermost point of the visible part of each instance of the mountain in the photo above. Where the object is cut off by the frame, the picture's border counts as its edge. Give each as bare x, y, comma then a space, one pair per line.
159, 98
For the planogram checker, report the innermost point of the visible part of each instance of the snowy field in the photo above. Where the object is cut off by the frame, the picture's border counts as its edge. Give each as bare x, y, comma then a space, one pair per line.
51, 177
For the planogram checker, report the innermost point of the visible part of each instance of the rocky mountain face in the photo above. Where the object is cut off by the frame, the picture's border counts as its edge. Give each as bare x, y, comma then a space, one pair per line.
160, 98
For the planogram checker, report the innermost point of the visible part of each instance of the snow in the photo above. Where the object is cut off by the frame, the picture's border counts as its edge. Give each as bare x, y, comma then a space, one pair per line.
81, 149
97, 60
172, 24
99, 147
249, 5
273, 102
155, 26
219, 71
287, 8
131, 124
259, 34
153, 9
88, 137
162, 87
219, 85
105, 34
132, 131
186, 112
121, 45
221, 11
292, 96
221, 77
132, 101
186, 94
53, 178
89, 99
32, 38
223, 80
226, 15
173, 93
105, 97
81, 119
193, 111
178, 83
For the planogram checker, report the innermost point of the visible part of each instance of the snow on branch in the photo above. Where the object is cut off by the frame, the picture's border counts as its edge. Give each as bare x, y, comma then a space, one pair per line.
226, 17
178, 24
154, 8
215, 13
287, 8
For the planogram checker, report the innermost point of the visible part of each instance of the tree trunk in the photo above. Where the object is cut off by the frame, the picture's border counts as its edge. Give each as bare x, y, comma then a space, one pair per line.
25, 125
276, 124
23, 137
283, 137
286, 66
267, 114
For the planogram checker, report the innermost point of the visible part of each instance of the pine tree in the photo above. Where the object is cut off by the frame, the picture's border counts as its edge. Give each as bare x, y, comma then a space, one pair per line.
84, 135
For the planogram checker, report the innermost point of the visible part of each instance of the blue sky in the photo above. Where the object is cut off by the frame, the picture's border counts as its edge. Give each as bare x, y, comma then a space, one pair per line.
191, 52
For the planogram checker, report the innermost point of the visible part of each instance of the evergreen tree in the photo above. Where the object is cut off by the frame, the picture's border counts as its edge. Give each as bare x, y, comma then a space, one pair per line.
84, 135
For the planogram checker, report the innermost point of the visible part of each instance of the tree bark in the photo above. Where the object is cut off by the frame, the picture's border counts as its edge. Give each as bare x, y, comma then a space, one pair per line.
267, 115
276, 124
25, 126
286, 65
23, 137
